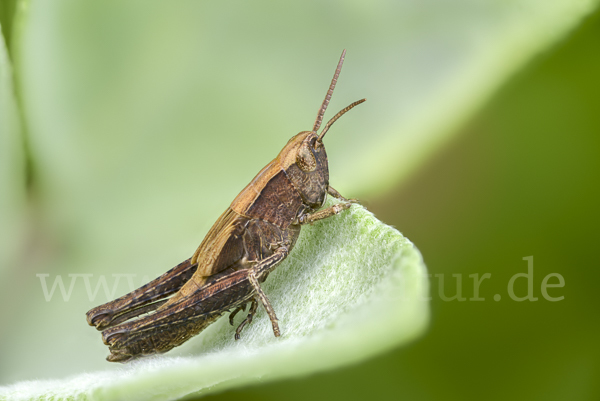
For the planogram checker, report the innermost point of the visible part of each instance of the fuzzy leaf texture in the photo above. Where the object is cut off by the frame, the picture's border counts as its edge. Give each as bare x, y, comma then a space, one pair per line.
351, 287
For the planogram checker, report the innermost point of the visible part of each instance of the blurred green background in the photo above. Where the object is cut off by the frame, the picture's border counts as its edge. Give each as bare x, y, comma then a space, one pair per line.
142, 123
522, 178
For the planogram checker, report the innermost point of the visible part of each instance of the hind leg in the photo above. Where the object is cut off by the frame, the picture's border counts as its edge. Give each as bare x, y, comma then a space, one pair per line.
248, 319
142, 300
235, 312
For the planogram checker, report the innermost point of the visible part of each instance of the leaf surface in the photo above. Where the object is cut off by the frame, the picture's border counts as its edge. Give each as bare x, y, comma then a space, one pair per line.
351, 287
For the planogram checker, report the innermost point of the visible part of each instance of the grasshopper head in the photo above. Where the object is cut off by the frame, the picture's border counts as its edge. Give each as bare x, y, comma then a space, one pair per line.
304, 158
305, 161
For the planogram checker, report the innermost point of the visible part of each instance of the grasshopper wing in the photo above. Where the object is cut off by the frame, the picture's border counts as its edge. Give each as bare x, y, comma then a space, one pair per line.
221, 252
223, 246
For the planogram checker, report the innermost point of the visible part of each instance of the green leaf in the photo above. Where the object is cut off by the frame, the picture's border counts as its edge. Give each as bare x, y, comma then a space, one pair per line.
7, 14
12, 167
352, 287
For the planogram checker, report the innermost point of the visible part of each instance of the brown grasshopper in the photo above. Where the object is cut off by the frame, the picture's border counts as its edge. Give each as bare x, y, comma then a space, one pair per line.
256, 232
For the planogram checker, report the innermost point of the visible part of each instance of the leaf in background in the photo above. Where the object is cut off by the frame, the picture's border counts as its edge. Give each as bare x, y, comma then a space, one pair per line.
352, 287
12, 167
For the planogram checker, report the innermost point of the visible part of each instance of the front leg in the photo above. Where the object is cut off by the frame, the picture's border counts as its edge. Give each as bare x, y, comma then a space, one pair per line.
331, 191
323, 214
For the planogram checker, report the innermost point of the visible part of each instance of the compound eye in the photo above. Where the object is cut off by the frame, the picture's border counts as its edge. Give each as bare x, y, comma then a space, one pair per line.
305, 158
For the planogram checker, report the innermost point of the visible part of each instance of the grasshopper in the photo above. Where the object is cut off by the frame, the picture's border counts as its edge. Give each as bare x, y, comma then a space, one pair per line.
256, 232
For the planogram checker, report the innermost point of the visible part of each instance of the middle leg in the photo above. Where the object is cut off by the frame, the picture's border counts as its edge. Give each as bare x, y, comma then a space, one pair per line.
262, 239
265, 301
235, 312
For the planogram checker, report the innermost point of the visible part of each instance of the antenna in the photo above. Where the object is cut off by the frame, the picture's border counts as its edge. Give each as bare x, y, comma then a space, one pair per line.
338, 115
329, 93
